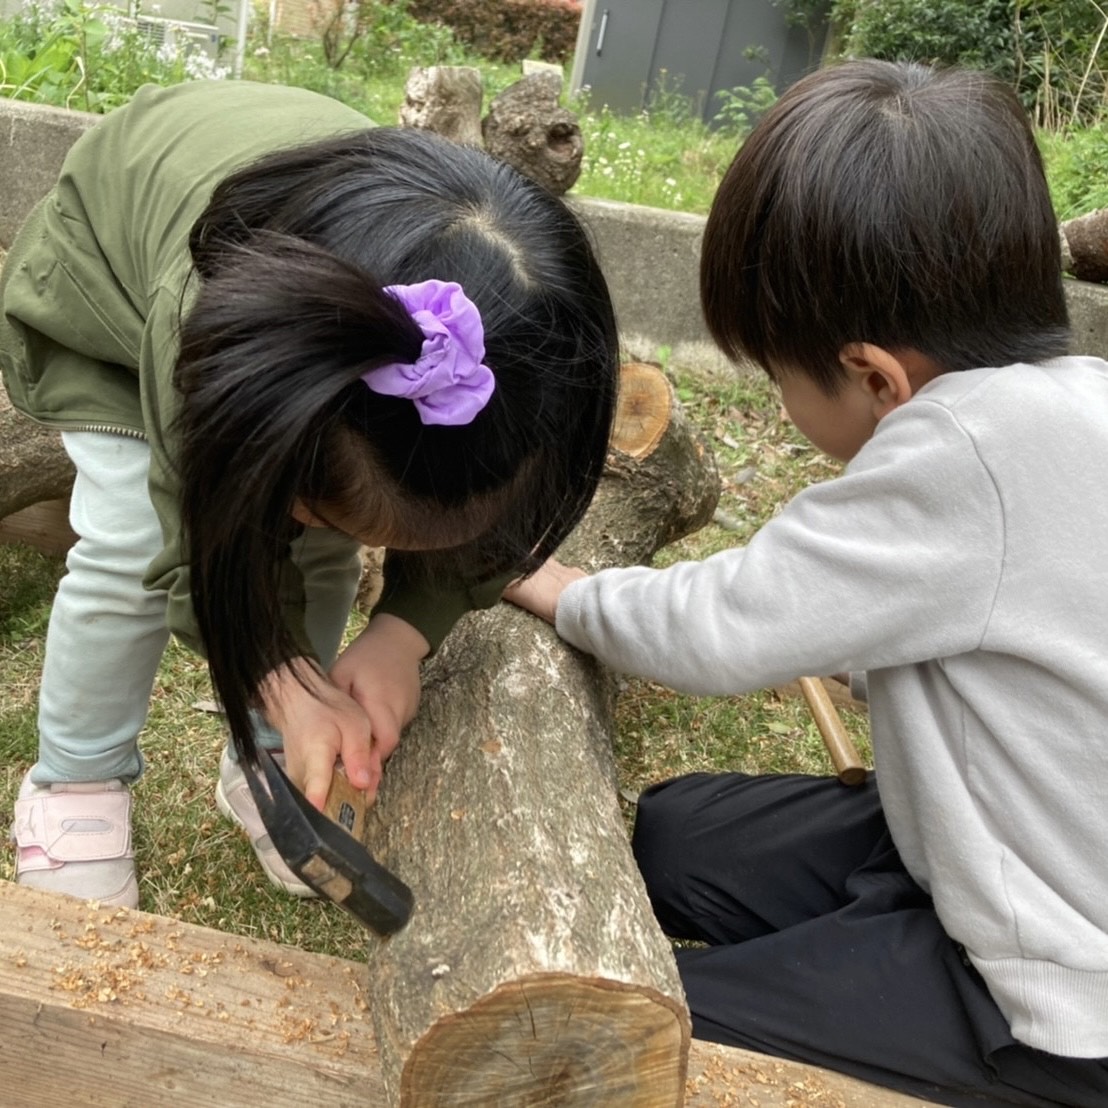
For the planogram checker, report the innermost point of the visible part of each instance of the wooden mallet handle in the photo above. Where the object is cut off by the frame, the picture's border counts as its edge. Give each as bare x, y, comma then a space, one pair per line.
849, 767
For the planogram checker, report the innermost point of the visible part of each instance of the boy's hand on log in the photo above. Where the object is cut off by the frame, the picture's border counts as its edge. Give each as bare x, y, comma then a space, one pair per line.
320, 725
379, 670
539, 593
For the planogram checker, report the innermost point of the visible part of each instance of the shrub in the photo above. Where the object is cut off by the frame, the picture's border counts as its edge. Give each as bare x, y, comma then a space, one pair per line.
87, 56
1075, 161
1050, 50
510, 30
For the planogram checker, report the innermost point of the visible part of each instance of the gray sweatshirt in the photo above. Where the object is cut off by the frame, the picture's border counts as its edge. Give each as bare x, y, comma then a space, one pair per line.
962, 562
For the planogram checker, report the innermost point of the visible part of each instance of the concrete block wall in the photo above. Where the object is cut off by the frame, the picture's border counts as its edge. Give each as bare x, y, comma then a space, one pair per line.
33, 143
649, 256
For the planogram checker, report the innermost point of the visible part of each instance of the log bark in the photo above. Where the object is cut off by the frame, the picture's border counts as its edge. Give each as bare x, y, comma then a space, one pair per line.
1086, 239
532, 970
529, 129
33, 465
445, 99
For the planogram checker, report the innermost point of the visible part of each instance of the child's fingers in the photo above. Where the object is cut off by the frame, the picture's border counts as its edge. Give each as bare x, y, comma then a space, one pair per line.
362, 765
386, 734
319, 768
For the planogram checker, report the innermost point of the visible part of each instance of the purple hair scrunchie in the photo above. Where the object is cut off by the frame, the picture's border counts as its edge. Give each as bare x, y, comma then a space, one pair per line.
448, 383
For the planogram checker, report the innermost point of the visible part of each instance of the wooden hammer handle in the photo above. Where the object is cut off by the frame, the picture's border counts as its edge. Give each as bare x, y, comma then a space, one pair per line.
346, 805
849, 767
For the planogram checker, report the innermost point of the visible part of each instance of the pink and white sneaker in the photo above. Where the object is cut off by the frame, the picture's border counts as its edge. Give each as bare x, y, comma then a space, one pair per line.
233, 796
76, 839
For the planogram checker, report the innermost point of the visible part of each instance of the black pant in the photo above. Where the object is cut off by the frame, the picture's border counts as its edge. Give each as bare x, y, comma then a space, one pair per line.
823, 949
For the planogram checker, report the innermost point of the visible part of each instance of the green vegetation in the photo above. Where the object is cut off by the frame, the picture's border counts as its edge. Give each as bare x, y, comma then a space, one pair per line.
86, 57
83, 54
1050, 50
1054, 52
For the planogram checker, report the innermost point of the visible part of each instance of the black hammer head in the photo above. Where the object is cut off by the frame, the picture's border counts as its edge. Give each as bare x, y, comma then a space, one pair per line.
324, 855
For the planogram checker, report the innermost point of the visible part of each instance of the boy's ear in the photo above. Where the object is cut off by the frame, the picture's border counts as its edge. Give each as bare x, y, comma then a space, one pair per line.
881, 375
303, 514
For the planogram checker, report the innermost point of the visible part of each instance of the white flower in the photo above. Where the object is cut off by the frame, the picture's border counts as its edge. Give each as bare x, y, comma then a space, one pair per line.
199, 67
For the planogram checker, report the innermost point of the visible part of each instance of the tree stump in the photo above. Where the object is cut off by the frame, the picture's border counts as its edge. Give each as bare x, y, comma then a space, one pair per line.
532, 971
446, 100
529, 129
1086, 239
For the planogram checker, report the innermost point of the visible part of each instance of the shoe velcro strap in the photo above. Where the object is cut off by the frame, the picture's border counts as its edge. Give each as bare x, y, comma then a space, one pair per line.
76, 827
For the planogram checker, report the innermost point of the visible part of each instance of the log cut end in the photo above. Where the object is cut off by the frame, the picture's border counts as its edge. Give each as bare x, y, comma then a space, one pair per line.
554, 1039
643, 412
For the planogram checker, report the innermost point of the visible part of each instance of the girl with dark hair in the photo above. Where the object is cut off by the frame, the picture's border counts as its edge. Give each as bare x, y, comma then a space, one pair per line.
269, 333
883, 245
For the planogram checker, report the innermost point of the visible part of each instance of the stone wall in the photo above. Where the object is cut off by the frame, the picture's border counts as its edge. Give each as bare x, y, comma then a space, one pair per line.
650, 256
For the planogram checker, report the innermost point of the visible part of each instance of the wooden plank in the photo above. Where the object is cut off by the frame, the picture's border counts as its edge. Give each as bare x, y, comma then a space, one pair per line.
45, 526
723, 1077
114, 1007
107, 1007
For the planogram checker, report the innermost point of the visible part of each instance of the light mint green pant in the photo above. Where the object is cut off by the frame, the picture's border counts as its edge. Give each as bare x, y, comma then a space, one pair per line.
107, 633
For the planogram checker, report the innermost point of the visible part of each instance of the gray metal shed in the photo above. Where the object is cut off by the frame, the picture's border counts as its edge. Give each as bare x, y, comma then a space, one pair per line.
626, 49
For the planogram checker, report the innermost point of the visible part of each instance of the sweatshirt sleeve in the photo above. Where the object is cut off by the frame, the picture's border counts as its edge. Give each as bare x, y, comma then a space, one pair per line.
897, 561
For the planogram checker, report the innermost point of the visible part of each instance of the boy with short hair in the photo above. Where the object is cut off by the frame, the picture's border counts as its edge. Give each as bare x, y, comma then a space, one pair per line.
884, 246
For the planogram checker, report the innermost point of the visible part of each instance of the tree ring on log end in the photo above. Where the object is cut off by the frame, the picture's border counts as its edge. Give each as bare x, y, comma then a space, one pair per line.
643, 411
553, 1039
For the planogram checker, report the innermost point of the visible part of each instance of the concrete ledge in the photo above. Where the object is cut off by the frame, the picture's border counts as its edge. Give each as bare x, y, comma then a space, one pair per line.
651, 260
650, 256
33, 142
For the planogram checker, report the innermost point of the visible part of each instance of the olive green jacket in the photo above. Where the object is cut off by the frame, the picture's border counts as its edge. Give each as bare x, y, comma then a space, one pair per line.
96, 281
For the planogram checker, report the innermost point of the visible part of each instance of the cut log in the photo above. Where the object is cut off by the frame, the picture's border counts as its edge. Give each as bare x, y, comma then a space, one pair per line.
532, 970
33, 465
43, 526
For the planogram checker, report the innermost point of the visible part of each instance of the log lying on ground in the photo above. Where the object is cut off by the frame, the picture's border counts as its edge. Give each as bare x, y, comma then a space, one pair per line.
33, 465
532, 970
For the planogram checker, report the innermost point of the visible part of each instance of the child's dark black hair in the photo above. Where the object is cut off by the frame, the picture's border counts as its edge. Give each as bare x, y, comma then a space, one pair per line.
292, 255
888, 203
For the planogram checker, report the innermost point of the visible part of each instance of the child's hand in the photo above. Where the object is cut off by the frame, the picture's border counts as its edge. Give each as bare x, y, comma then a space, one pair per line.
320, 725
539, 593
379, 670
